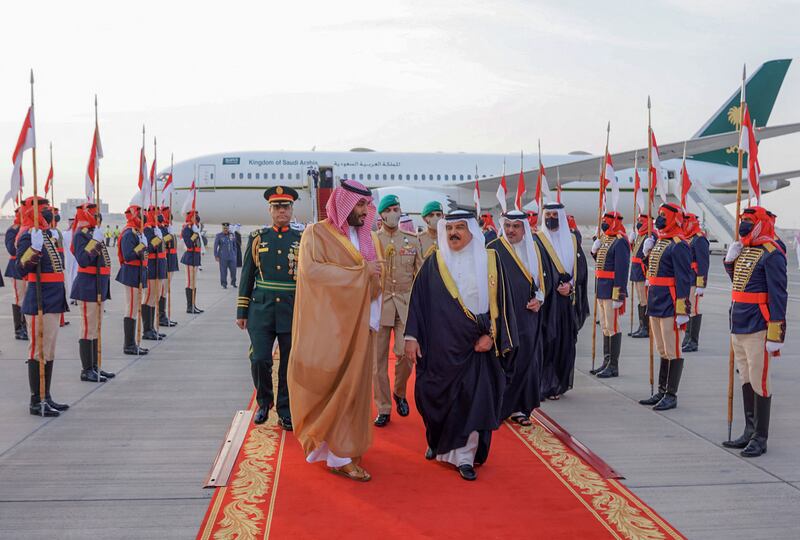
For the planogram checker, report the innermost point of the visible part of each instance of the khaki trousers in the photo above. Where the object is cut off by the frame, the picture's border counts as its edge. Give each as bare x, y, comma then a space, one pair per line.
695, 301
132, 302
609, 318
380, 373
153, 292
641, 292
50, 325
667, 336
89, 318
752, 361
20, 286
191, 276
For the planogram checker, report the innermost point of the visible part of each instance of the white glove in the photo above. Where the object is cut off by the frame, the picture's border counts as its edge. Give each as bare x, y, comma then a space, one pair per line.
97, 235
773, 346
632, 236
195, 229
157, 232
700, 291
37, 239
171, 230
733, 252
648, 244
142, 239
682, 319
616, 304
596, 245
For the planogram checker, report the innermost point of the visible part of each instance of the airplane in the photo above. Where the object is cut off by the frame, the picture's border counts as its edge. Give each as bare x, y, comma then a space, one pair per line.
230, 184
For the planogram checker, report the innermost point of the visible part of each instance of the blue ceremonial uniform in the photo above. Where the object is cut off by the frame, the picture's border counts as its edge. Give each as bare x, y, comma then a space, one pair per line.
11, 247
638, 268
760, 273
191, 241
611, 269
701, 255
92, 258
131, 251
54, 296
225, 252
670, 276
171, 249
156, 256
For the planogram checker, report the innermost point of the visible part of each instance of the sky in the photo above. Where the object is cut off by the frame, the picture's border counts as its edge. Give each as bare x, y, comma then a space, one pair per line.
417, 76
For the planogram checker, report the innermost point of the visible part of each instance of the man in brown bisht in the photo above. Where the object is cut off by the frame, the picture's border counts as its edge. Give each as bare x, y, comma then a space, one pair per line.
336, 316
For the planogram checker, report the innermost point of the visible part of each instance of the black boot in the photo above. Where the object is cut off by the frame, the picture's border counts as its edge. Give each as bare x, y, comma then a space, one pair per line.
662, 384
48, 376
162, 314
693, 334
23, 330
190, 307
670, 399
88, 372
758, 444
748, 401
16, 313
612, 369
644, 324
95, 356
148, 332
687, 335
37, 408
129, 345
606, 357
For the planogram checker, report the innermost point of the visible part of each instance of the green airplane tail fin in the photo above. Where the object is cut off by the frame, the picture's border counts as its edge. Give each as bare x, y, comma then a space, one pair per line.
761, 91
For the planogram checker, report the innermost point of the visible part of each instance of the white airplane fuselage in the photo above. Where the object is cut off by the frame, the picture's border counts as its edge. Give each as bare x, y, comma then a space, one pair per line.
231, 185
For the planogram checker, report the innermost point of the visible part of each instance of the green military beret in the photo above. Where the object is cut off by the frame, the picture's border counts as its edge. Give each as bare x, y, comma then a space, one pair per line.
433, 206
387, 201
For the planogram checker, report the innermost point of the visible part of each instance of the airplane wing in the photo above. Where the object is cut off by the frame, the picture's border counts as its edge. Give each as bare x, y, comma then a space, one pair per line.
787, 175
581, 167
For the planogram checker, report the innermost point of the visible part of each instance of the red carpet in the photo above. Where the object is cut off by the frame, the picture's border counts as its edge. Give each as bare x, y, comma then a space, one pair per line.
533, 486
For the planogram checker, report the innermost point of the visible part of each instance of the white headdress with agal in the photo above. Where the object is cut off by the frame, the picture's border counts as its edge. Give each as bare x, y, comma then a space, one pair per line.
525, 249
562, 238
468, 267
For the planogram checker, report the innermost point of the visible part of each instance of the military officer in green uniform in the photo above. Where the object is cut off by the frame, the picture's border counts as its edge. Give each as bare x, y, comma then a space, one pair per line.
431, 213
266, 301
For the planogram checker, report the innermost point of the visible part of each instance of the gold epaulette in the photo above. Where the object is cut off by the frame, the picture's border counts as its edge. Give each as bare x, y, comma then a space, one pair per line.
255, 233
677, 240
769, 247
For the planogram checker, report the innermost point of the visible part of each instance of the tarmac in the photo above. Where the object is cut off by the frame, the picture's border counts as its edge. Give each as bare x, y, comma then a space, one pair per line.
129, 458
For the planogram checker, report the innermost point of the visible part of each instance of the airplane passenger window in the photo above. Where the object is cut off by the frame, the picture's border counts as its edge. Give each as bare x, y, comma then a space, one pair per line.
392, 177
212, 175
445, 177
369, 177
281, 176
462, 177
438, 176
258, 176
384, 176
241, 176
423, 177
233, 176
415, 177
249, 176
469, 177
273, 176
361, 176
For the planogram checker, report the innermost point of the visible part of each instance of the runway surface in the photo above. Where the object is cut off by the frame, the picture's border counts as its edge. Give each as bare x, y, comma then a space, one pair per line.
129, 458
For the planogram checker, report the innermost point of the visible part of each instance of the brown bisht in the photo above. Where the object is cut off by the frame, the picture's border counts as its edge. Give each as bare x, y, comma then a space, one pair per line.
330, 366
459, 390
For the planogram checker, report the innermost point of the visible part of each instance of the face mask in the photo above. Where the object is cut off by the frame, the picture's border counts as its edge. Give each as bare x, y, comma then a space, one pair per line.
605, 227
640, 226
551, 223
433, 222
745, 228
47, 215
392, 219
661, 222
160, 218
58, 218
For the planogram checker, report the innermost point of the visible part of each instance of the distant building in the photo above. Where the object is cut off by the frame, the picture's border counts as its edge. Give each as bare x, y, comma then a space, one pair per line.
67, 208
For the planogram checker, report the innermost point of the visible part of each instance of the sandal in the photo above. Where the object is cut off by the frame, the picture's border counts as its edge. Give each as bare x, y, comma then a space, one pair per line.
554, 398
521, 420
353, 472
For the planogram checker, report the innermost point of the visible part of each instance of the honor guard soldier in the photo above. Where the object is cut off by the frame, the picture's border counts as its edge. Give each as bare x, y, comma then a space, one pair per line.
639, 272
757, 267
59, 239
612, 254
701, 255
403, 255
36, 246
93, 280
132, 253
171, 250
266, 301
17, 281
431, 213
670, 277
191, 258
488, 227
156, 272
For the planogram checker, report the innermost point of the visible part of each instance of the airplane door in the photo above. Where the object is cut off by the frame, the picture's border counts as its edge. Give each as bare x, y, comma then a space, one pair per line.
206, 177
324, 184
